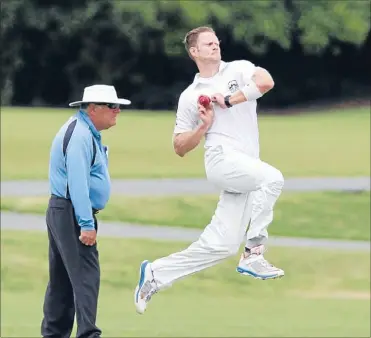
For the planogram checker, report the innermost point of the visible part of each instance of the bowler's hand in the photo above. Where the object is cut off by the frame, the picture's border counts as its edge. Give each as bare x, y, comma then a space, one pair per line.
219, 99
206, 115
88, 237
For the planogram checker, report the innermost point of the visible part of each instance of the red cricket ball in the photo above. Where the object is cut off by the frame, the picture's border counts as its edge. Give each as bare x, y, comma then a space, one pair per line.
204, 100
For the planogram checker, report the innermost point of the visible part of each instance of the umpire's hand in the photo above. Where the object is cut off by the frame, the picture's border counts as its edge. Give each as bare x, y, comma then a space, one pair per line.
88, 237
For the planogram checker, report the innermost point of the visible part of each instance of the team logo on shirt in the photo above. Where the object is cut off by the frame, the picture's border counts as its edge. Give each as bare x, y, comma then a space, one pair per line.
233, 86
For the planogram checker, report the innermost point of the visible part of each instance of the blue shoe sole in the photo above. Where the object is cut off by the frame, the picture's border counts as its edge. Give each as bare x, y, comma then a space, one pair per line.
256, 276
142, 270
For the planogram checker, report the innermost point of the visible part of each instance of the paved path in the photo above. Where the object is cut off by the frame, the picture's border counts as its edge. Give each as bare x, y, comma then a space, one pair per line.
23, 222
161, 187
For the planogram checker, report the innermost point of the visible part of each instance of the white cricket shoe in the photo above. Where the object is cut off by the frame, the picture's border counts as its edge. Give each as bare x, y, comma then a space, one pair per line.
146, 287
255, 265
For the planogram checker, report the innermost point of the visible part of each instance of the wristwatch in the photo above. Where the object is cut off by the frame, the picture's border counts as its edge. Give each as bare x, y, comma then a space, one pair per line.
226, 101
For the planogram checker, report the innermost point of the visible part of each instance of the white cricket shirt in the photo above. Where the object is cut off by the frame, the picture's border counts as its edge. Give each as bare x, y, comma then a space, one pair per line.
235, 127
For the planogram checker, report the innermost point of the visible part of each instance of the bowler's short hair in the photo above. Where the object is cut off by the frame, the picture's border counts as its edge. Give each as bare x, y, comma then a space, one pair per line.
191, 37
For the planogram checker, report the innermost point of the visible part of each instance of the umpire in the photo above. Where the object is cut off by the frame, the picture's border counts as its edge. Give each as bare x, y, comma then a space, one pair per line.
80, 187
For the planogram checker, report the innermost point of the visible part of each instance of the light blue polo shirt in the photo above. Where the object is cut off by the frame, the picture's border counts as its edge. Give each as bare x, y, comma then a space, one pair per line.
88, 185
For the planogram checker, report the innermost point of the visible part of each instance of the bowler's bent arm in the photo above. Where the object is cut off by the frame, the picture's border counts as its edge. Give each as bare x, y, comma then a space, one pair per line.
187, 134
187, 141
260, 83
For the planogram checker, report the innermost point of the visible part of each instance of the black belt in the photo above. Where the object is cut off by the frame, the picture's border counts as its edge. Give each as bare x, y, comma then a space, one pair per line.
95, 211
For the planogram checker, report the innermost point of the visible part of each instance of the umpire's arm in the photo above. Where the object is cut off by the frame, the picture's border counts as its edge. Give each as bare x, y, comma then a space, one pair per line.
78, 159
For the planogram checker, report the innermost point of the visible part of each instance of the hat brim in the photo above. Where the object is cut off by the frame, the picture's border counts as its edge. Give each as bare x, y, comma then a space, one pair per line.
123, 102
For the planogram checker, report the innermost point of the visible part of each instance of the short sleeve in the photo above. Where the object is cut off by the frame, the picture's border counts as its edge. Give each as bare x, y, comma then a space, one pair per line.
246, 69
185, 116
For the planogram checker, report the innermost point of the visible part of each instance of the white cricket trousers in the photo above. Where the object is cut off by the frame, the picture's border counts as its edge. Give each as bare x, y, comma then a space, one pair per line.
249, 191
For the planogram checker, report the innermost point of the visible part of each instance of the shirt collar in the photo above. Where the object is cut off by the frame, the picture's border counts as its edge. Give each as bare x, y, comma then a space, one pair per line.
85, 117
199, 79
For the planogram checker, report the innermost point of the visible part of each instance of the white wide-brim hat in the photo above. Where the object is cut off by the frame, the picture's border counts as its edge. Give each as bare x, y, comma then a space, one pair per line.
100, 93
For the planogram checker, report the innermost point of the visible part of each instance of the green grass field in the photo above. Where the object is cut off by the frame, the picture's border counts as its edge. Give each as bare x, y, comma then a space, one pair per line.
324, 293
336, 143
320, 215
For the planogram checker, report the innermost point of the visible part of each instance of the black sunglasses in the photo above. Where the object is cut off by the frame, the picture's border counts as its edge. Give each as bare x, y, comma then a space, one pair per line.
109, 105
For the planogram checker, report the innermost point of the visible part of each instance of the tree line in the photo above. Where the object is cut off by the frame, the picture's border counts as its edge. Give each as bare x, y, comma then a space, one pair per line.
52, 49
